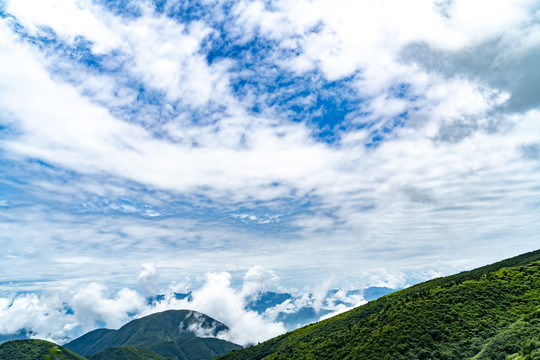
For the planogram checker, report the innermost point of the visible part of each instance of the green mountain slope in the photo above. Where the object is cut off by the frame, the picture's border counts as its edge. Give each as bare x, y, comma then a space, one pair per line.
194, 348
492, 312
169, 334
31, 349
150, 330
127, 353
81, 344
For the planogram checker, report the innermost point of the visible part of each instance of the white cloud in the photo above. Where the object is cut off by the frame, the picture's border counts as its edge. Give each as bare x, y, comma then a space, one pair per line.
148, 278
77, 310
91, 304
68, 19
45, 317
259, 279
451, 182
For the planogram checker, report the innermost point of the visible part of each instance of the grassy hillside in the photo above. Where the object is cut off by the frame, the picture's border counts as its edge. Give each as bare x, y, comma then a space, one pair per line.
492, 312
33, 350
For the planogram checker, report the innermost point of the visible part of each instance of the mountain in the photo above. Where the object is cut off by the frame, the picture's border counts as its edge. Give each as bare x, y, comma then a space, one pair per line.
127, 353
172, 333
30, 349
193, 348
375, 292
266, 300
299, 311
492, 312
84, 344
307, 313
21, 334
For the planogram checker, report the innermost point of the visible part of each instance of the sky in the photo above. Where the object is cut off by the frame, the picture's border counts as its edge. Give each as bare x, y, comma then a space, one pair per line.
231, 147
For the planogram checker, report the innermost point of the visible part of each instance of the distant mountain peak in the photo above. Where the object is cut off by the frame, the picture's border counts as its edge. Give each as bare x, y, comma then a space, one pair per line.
166, 326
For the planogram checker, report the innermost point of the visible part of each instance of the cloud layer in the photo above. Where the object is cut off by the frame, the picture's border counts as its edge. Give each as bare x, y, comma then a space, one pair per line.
349, 140
63, 316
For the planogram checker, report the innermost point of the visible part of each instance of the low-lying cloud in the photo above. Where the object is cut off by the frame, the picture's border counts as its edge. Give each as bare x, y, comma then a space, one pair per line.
255, 310
62, 316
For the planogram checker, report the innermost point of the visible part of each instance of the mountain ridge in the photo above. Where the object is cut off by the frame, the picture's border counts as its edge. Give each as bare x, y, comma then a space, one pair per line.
452, 318
169, 325
34, 349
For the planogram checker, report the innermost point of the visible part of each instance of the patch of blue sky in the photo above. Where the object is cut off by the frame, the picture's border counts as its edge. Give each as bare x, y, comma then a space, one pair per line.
402, 91
66, 309
79, 57
128, 9
385, 128
218, 14
324, 105
185, 11
378, 135
45, 38
78, 51
149, 109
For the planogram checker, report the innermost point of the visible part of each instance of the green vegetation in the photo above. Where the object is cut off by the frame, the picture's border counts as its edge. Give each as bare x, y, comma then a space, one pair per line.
35, 350
161, 336
164, 335
55, 350
183, 349
488, 313
127, 353
167, 326
194, 348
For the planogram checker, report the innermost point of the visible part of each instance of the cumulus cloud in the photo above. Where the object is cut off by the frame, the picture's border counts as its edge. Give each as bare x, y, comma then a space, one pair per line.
44, 318
92, 305
60, 317
148, 278
259, 279
221, 301
341, 301
68, 314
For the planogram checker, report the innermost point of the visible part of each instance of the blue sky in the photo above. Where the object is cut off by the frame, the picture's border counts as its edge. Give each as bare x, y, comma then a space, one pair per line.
147, 144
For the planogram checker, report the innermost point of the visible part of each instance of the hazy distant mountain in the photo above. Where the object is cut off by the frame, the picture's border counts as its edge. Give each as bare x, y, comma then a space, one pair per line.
266, 300
490, 313
152, 300
21, 334
173, 332
30, 349
375, 292
298, 316
308, 314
